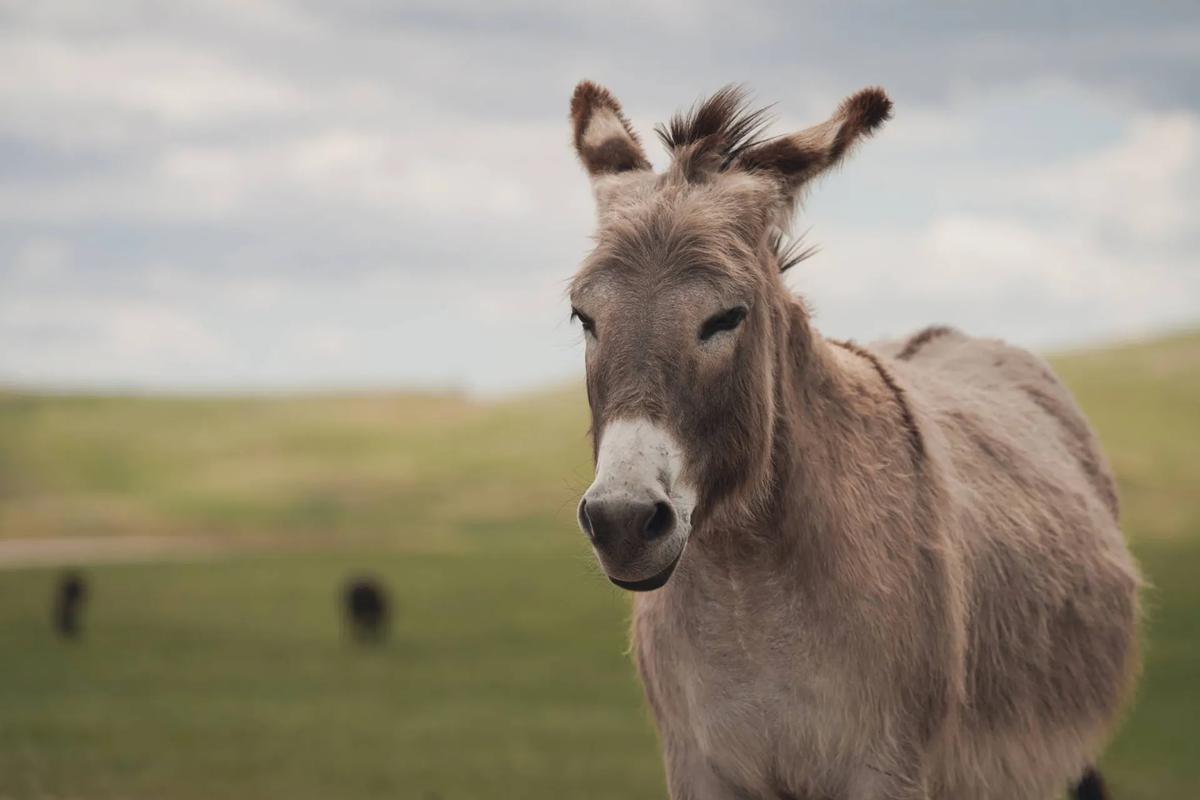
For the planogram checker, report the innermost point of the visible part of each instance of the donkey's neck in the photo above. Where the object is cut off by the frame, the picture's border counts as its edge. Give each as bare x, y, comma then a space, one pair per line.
844, 437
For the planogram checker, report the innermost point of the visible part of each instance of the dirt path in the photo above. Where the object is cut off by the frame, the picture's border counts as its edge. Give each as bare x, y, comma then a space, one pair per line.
78, 550
67, 551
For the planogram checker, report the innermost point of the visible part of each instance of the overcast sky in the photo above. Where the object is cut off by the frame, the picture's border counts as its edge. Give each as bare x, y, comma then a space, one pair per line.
273, 195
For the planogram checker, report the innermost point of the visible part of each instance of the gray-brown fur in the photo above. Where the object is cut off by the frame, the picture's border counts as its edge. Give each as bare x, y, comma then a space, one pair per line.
906, 416
905, 576
924, 337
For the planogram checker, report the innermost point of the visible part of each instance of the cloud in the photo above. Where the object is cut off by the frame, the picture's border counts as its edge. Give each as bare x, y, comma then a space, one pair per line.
88, 93
1099, 244
1146, 186
274, 194
40, 259
128, 341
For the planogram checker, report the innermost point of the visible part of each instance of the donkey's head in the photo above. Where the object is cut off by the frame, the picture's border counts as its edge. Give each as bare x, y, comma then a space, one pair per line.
685, 314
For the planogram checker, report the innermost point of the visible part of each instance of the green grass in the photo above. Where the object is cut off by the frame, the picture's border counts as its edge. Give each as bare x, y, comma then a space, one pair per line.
506, 676
422, 471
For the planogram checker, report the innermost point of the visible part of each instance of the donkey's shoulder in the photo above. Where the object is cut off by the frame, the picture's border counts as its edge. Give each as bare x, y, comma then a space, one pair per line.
1001, 391
982, 362
919, 345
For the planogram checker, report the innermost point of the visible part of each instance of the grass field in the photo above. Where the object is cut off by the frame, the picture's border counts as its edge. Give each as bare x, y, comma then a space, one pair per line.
228, 676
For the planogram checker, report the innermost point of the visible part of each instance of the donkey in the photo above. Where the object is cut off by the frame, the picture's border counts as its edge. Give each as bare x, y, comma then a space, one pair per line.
887, 572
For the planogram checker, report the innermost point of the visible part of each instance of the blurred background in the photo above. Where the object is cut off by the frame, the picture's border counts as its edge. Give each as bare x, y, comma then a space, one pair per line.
284, 338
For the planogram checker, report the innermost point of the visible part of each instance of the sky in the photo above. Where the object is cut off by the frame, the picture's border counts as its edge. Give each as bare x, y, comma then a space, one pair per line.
297, 194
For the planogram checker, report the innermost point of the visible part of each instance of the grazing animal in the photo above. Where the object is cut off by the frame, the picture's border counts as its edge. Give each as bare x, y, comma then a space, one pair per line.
867, 572
367, 609
69, 598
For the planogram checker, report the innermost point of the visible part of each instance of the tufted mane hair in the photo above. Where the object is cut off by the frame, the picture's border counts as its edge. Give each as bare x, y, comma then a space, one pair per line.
716, 130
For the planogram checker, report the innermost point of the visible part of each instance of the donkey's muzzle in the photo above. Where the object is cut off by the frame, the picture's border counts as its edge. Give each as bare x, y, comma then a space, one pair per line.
632, 536
653, 582
608, 519
638, 511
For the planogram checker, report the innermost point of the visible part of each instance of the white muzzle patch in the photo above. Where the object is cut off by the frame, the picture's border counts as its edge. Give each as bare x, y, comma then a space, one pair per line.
638, 511
636, 454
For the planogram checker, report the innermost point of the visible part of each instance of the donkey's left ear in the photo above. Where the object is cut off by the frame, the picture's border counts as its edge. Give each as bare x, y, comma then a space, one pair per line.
605, 142
795, 160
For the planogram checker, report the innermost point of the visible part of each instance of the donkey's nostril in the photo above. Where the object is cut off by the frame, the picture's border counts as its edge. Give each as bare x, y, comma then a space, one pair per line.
585, 522
661, 522
619, 521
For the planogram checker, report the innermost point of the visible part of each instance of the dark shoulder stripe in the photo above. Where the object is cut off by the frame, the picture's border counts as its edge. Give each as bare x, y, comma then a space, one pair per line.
921, 339
906, 415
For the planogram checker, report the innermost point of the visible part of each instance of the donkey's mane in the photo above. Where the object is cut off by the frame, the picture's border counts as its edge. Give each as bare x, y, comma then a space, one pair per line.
712, 134
915, 439
723, 126
791, 250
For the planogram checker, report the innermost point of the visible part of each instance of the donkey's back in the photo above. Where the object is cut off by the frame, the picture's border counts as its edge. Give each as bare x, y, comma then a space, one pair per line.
1005, 403
1051, 588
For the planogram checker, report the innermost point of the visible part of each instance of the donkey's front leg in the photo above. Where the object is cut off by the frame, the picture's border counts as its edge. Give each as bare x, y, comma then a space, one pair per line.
690, 776
873, 781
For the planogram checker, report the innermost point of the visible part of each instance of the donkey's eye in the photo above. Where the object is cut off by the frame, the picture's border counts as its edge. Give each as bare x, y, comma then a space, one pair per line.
727, 320
584, 320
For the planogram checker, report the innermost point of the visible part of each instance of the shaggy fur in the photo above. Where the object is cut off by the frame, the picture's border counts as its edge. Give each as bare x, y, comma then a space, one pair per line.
905, 577
713, 134
915, 343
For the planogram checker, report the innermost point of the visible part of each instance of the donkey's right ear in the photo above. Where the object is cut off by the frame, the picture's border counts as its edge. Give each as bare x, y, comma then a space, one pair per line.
795, 160
605, 142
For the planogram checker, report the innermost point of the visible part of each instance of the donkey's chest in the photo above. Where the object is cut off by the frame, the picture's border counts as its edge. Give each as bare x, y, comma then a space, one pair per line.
755, 695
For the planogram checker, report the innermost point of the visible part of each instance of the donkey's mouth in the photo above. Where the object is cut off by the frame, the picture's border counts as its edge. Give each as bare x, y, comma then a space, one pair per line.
651, 583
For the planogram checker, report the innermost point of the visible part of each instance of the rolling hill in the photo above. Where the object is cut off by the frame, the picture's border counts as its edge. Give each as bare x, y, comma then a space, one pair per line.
224, 673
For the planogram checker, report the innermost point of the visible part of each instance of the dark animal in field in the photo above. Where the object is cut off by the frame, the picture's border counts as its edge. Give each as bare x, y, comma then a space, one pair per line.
366, 608
865, 573
1091, 787
70, 596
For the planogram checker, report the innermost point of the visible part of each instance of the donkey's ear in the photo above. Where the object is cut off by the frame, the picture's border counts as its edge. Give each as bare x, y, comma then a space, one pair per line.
795, 160
605, 142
